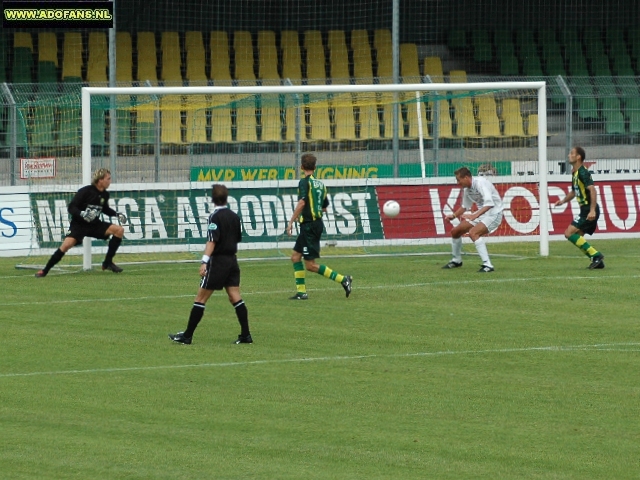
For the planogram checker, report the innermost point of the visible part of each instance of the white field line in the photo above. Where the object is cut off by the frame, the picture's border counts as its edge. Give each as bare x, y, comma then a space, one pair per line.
607, 347
392, 286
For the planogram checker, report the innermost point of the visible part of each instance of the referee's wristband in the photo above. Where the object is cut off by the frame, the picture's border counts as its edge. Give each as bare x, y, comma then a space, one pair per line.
205, 258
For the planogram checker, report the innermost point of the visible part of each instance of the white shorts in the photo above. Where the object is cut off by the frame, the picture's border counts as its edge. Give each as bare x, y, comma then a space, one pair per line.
491, 220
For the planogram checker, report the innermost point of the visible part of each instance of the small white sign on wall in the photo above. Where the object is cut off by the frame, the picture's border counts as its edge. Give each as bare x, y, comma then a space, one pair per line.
37, 168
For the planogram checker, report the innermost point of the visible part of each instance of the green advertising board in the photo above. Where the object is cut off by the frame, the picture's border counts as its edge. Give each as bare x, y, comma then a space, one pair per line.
158, 217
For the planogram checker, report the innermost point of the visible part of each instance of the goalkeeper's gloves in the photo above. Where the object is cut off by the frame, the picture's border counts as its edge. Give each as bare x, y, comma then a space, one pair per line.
89, 215
122, 218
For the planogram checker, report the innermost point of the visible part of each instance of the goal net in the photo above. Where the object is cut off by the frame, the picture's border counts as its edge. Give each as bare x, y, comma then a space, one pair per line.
166, 146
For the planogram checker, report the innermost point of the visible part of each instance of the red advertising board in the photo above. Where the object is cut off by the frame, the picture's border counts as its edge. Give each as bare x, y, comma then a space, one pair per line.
424, 206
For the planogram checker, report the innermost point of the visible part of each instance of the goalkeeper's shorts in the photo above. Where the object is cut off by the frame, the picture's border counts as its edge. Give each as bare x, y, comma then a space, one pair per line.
96, 229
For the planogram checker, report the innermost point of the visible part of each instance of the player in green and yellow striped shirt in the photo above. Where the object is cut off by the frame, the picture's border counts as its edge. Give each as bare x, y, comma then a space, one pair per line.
312, 203
585, 192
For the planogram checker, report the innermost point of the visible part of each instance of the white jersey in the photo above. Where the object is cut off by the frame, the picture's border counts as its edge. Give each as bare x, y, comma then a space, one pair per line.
483, 194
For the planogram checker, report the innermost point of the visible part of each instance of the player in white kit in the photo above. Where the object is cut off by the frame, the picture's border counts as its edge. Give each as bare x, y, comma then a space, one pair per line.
485, 220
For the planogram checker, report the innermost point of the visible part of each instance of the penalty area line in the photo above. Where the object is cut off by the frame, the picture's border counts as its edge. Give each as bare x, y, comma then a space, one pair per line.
605, 347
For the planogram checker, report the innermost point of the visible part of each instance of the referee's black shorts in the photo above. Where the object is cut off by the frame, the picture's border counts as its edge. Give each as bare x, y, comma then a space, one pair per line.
96, 229
222, 271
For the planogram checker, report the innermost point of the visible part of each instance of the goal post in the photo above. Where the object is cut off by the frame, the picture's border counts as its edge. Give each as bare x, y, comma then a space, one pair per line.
412, 93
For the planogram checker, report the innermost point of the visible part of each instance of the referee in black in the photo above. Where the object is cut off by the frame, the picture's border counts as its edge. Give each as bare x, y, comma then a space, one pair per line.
219, 268
85, 209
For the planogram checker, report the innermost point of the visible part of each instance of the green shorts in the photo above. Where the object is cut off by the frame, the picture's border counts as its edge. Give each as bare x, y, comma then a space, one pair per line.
586, 226
308, 242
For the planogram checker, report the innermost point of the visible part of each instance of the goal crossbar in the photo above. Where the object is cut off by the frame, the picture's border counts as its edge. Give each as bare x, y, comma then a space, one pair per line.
540, 87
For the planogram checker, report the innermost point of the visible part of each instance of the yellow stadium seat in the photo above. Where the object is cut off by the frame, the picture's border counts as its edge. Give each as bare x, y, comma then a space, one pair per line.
171, 57
242, 39
196, 129
291, 65
72, 55
433, 68
316, 73
362, 67
445, 127
147, 63
246, 125
266, 38
457, 76
290, 124
513, 121
193, 41
221, 125
463, 114
385, 64
124, 56
195, 57
171, 127
98, 57
47, 47
319, 122
244, 63
345, 123
412, 120
312, 37
409, 65
359, 39
271, 124
23, 40
335, 39
382, 39
369, 119
268, 62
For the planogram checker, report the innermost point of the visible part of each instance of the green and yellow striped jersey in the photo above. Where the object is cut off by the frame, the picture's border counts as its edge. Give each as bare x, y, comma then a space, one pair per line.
581, 179
314, 194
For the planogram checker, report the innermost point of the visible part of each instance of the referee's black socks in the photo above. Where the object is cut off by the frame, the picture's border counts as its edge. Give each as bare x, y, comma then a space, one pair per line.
197, 311
243, 317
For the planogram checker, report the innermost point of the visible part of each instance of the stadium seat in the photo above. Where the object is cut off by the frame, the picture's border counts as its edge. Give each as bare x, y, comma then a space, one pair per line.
98, 127
482, 48
362, 64
69, 127
615, 124
409, 63
531, 66
488, 116
359, 39
464, 118
23, 40
145, 128
289, 39
457, 76
382, 39
124, 127
48, 47
266, 38
412, 120
124, 55
509, 65
345, 123
290, 124
316, 73
268, 62
271, 124
42, 126
292, 64
445, 127
336, 39
242, 40
196, 126
244, 62
221, 125
47, 72
98, 57
368, 120
146, 58
171, 58
433, 68
384, 59
72, 56
22, 65
195, 57
319, 122
170, 124
512, 117
246, 124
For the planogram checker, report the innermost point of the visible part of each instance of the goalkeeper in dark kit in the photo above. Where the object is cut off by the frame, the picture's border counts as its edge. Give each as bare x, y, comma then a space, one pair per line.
85, 209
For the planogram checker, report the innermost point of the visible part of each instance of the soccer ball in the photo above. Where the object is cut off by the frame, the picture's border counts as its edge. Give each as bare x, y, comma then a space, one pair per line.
391, 208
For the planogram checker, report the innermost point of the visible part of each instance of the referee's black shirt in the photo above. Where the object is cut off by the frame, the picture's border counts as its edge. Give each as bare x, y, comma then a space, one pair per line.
224, 229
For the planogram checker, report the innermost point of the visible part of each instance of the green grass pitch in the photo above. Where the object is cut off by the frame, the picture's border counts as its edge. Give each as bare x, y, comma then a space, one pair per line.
532, 371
